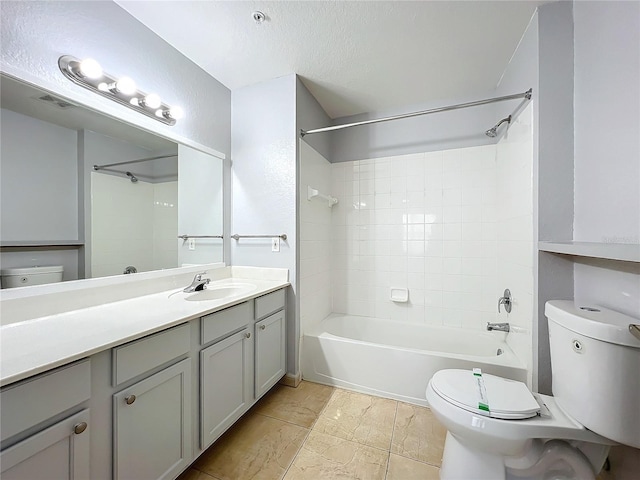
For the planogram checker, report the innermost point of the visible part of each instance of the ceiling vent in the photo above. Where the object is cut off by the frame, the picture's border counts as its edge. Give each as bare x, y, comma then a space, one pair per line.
55, 101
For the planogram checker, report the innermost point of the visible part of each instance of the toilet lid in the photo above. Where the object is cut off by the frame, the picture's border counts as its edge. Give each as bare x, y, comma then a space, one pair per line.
504, 399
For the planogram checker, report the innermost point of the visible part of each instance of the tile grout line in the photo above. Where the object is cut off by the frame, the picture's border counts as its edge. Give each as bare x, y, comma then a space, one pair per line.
296, 455
393, 431
308, 433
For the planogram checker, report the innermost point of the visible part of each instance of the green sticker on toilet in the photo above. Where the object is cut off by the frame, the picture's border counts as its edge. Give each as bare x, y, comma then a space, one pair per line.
483, 401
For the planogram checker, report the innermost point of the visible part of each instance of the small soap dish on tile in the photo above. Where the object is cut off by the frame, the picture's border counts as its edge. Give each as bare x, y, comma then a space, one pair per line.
399, 295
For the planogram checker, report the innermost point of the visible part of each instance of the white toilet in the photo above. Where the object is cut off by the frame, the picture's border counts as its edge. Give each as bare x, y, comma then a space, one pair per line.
27, 276
498, 429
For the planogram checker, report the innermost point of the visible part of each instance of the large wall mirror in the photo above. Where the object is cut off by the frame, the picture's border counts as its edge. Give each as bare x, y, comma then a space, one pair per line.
126, 216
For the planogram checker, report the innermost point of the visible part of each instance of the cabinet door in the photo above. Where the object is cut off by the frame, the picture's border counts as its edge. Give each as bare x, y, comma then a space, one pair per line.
225, 385
60, 452
270, 352
152, 425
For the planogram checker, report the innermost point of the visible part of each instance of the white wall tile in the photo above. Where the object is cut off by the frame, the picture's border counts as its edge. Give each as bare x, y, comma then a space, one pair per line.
433, 223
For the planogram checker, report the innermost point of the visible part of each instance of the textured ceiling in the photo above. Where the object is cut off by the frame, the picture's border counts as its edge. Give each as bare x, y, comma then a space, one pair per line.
354, 57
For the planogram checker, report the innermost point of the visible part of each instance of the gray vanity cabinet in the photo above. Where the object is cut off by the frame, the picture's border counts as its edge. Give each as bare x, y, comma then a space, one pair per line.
45, 425
270, 352
61, 452
270, 348
226, 370
226, 384
152, 425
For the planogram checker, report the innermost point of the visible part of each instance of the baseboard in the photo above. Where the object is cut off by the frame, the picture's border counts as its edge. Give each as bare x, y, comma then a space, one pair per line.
291, 380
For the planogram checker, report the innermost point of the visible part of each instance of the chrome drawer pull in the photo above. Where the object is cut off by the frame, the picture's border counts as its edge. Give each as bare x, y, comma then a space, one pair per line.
129, 399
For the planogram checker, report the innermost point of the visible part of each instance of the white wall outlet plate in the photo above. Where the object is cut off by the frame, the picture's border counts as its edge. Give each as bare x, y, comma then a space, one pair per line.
192, 244
275, 244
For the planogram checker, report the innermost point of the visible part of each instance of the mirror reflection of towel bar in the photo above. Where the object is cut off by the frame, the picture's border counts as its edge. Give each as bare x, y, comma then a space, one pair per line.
186, 237
283, 236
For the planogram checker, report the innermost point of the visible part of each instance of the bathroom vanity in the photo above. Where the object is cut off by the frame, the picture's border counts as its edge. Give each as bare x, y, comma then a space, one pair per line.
139, 387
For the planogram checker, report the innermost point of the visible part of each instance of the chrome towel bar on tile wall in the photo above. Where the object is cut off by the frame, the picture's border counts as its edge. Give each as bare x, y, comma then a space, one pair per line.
186, 237
282, 236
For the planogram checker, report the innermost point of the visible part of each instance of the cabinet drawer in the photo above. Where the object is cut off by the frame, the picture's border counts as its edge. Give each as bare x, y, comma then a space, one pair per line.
38, 399
269, 303
220, 324
142, 355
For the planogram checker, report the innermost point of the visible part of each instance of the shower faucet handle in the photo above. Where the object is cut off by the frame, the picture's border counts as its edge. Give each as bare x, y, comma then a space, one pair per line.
506, 300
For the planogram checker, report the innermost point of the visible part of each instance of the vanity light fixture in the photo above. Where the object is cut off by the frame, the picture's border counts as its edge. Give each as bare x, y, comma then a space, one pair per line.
89, 74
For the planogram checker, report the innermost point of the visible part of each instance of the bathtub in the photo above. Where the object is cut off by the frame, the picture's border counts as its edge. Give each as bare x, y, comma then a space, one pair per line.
397, 359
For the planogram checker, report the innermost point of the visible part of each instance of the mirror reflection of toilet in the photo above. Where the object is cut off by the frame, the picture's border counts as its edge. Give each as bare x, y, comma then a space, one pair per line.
27, 276
498, 429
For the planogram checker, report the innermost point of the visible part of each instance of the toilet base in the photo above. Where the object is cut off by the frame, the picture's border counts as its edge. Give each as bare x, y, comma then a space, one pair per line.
460, 462
540, 460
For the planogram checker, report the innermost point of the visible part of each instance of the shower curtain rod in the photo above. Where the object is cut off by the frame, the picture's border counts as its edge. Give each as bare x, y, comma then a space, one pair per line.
526, 95
101, 167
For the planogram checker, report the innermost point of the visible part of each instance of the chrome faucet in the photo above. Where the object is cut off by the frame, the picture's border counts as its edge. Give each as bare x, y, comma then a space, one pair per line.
501, 327
198, 283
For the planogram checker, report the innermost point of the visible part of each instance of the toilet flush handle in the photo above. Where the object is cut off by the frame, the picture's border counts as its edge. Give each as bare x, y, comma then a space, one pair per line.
635, 330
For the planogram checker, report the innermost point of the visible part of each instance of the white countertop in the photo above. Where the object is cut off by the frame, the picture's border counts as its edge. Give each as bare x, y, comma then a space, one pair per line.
36, 345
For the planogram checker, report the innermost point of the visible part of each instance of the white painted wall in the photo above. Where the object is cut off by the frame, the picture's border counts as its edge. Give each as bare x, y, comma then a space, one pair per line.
435, 132
264, 188
607, 162
38, 191
315, 238
199, 206
607, 148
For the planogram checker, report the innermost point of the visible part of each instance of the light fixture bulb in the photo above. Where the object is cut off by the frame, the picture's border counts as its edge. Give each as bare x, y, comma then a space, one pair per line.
89, 68
151, 100
175, 112
126, 86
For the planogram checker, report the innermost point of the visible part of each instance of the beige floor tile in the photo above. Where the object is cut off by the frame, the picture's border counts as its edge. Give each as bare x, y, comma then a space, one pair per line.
418, 435
327, 457
257, 447
300, 405
360, 418
402, 468
193, 474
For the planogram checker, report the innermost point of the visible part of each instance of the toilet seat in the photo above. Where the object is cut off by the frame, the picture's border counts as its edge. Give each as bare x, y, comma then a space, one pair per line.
505, 399
497, 433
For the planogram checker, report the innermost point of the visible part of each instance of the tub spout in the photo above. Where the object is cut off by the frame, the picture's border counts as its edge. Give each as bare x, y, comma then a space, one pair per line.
502, 327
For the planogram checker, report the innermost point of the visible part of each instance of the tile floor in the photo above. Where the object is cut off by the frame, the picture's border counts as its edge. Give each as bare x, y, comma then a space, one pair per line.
319, 432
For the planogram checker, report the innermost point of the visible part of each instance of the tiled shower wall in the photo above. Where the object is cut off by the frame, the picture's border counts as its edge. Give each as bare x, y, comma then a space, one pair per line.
454, 227
315, 239
426, 222
132, 224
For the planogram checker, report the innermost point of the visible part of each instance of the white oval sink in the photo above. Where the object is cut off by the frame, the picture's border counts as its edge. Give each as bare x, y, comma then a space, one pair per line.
223, 291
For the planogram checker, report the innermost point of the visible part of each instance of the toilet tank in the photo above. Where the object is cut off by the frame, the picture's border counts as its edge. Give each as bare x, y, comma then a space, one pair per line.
27, 276
595, 364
